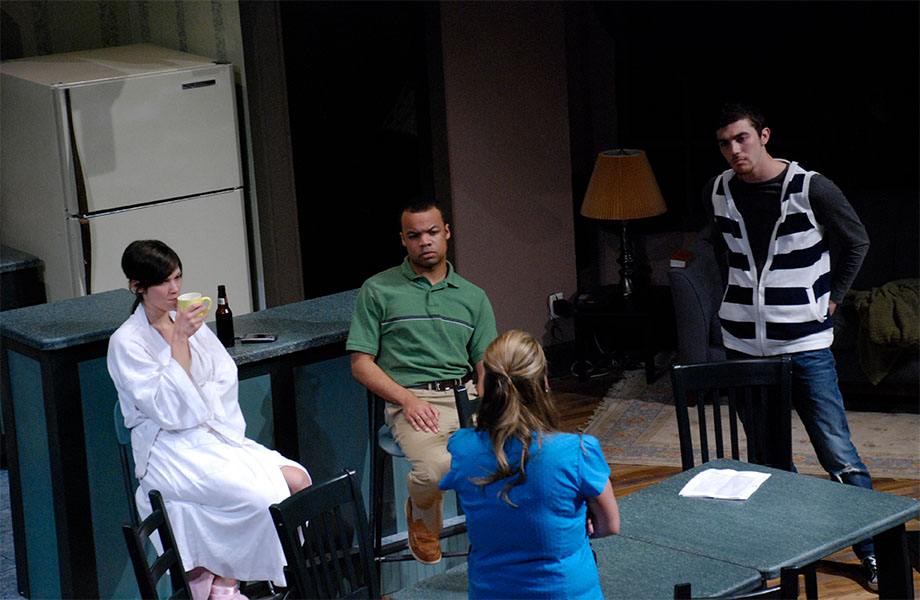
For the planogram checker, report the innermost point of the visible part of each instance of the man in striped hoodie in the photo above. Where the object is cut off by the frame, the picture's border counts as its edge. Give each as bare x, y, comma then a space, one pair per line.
793, 246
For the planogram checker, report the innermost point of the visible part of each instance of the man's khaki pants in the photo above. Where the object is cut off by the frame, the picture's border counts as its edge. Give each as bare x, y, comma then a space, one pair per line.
427, 453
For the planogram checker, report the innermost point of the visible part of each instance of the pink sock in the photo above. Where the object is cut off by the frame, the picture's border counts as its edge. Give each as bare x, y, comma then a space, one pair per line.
226, 592
199, 582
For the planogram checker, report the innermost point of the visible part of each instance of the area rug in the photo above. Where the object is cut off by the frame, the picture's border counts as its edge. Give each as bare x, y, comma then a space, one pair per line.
636, 425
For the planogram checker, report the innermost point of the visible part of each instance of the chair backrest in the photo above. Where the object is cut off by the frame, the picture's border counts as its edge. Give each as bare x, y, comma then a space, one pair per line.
788, 589
149, 574
756, 391
123, 434
324, 534
466, 408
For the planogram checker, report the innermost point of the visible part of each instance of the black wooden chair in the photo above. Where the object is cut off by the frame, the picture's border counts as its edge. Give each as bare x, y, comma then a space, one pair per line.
466, 407
788, 589
326, 542
149, 573
758, 392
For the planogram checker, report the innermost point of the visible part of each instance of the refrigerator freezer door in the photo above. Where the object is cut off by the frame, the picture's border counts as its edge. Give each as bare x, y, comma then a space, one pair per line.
136, 140
207, 233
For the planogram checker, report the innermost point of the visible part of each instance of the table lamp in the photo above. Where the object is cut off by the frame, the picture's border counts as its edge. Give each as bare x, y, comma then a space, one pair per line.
623, 188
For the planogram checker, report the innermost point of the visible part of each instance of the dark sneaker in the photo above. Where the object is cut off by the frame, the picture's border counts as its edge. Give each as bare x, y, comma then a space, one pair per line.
423, 543
871, 572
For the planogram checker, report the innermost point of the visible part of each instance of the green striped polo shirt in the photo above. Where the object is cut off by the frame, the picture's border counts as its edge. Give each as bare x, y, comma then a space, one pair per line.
421, 332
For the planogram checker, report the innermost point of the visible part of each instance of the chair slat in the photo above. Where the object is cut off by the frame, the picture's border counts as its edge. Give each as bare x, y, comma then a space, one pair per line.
345, 542
331, 561
733, 428
715, 395
333, 571
325, 552
761, 411
704, 434
149, 574
756, 391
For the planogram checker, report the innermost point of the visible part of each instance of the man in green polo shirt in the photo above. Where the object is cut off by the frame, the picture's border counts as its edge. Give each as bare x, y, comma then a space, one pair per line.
418, 331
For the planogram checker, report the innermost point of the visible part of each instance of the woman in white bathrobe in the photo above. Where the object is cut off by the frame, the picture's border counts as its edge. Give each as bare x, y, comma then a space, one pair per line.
177, 388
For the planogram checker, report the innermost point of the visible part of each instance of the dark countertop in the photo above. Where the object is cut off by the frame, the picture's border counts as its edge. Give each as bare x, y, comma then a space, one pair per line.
16, 260
76, 321
299, 326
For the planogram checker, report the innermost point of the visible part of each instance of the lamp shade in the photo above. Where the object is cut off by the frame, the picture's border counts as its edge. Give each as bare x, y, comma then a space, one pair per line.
622, 187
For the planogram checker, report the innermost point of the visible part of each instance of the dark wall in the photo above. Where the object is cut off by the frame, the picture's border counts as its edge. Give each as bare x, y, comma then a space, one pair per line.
356, 90
837, 81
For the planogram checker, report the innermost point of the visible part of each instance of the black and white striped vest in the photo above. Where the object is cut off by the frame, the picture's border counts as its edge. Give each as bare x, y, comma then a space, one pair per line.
786, 308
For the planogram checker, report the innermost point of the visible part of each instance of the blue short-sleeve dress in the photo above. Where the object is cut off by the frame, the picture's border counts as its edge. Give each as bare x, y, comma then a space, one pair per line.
539, 549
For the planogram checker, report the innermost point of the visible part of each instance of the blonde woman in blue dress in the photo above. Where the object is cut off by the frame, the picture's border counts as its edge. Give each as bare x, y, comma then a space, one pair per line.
532, 495
177, 387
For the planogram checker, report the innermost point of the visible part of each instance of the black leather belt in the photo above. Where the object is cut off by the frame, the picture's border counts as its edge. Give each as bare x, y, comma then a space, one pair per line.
443, 385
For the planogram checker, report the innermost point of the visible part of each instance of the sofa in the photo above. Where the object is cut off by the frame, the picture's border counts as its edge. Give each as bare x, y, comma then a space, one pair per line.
891, 220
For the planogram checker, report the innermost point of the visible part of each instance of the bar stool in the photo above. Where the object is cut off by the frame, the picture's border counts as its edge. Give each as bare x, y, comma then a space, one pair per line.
384, 446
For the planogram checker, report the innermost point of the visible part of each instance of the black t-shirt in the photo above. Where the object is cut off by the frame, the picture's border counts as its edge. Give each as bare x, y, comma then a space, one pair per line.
759, 206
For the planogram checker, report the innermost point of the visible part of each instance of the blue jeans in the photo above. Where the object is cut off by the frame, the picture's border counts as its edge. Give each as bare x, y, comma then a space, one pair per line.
819, 404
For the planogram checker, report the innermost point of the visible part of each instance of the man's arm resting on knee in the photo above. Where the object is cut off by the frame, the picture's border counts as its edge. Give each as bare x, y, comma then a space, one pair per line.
419, 413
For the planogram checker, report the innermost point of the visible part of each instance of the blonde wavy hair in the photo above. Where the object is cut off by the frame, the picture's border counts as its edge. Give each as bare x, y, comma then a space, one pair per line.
515, 405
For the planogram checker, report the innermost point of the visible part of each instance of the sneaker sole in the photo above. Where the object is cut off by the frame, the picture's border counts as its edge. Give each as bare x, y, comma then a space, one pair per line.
418, 558
424, 562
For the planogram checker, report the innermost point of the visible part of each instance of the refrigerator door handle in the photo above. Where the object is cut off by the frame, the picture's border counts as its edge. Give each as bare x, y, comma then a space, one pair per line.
79, 178
199, 84
87, 245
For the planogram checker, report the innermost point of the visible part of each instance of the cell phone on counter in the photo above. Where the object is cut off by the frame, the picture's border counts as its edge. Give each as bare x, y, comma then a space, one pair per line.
258, 338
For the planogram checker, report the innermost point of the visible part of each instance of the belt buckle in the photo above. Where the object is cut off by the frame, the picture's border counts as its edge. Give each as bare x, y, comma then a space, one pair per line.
445, 385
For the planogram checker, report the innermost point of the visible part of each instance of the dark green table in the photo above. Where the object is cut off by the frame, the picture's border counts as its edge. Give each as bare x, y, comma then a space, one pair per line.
628, 568
722, 547
792, 520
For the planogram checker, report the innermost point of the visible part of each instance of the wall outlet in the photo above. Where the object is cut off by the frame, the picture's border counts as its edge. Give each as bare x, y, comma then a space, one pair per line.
551, 303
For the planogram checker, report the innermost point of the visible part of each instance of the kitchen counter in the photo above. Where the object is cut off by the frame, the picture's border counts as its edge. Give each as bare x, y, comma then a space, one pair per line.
87, 319
15, 260
20, 279
300, 326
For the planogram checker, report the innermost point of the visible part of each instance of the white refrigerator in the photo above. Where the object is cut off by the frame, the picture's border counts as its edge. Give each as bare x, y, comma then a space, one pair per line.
103, 147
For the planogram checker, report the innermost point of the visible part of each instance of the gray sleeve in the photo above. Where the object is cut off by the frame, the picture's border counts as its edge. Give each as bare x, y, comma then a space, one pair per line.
846, 236
711, 233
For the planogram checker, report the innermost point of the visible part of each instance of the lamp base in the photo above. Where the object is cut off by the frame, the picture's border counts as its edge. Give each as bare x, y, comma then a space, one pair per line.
627, 263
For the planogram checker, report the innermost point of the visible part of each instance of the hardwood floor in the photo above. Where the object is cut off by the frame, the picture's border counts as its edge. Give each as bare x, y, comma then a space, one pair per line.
839, 576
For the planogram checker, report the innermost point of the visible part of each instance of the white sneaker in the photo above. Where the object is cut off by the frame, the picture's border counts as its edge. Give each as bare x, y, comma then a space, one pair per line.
871, 572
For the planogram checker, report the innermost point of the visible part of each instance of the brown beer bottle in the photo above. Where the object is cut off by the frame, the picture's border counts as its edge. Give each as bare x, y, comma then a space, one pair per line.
224, 318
